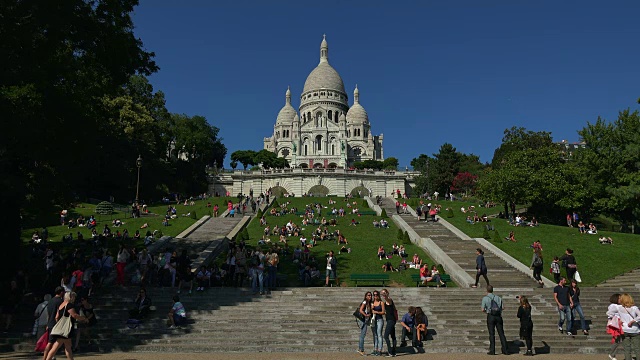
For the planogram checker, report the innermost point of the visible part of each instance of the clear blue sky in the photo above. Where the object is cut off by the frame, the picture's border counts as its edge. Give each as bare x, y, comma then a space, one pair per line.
428, 72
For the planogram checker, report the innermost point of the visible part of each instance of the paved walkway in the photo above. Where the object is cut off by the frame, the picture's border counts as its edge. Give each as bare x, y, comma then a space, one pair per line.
294, 356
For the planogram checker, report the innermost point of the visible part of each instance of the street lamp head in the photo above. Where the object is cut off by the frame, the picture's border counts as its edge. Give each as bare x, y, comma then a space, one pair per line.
139, 162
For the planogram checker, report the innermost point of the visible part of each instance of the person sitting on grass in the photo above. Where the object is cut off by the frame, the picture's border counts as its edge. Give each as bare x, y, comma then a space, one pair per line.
353, 222
384, 224
381, 252
469, 220
533, 222
388, 267
592, 229
395, 249
376, 224
511, 237
582, 228
402, 252
416, 260
342, 239
165, 222
606, 240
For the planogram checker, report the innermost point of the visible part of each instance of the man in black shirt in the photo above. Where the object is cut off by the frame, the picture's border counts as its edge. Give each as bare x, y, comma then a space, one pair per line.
52, 310
565, 303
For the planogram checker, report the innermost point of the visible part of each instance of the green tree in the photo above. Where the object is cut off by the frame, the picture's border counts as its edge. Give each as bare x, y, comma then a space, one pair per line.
245, 157
390, 163
609, 166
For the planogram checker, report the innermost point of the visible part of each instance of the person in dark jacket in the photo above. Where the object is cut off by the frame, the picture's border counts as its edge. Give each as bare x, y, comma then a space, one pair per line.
481, 268
526, 324
143, 303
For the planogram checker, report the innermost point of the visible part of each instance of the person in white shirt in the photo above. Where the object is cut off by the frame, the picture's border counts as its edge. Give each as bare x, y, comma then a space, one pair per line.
42, 317
630, 316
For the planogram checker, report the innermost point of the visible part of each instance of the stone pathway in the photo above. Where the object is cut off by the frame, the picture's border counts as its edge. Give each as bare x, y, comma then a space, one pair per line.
626, 280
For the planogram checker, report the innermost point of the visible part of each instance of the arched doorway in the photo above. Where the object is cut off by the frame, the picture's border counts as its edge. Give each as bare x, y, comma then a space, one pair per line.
278, 191
360, 191
332, 165
318, 190
304, 166
318, 166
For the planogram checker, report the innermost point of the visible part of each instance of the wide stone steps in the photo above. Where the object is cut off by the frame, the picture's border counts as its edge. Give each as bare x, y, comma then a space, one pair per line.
626, 280
463, 252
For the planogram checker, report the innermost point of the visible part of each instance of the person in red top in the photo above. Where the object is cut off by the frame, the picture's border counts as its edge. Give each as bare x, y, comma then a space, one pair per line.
78, 274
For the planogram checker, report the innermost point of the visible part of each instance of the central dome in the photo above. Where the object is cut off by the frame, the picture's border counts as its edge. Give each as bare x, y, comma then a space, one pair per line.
324, 76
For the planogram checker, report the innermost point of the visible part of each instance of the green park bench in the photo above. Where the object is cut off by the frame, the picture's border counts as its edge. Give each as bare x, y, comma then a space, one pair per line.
369, 277
446, 278
367, 212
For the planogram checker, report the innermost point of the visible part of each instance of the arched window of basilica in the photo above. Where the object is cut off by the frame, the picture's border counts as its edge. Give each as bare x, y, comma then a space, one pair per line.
329, 115
319, 143
309, 116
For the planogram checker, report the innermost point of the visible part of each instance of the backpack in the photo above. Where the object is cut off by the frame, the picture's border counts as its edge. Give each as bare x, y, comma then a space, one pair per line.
537, 261
495, 310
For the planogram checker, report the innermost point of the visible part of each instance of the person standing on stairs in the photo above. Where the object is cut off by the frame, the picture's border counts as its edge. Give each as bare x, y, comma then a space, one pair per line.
378, 311
526, 324
570, 261
481, 268
574, 292
365, 310
391, 315
492, 305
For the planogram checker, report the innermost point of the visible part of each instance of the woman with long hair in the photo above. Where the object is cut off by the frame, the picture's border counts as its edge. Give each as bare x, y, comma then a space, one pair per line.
612, 314
65, 309
122, 258
378, 311
574, 292
365, 310
537, 263
421, 325
526, 324
390, 315
630, 316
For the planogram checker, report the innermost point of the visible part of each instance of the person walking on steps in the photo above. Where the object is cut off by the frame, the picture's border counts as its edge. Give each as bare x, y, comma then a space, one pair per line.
481, 268
537, 263
492, 306
526, 324
574, 292
565, 304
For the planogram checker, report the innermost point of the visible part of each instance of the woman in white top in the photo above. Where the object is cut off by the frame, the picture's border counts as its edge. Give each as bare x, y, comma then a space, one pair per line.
123, 257
612, 313
630, 316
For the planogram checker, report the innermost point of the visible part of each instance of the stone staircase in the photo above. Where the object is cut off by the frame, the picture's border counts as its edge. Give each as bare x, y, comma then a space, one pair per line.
320, 320
629, 279
463, 252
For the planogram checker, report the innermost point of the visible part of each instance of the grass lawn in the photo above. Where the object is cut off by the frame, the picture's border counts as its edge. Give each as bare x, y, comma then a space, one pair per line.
364, 240
154, 220
596, 262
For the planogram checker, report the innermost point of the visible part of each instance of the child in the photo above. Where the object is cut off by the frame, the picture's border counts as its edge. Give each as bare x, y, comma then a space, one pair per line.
555, 269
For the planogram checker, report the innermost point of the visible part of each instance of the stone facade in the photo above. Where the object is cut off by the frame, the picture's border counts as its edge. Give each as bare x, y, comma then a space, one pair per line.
303, 181
325, 132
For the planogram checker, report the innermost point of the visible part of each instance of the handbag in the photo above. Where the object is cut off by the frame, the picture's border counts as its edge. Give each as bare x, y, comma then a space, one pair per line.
614, 323
41, 344
63, 325
577, 277
358, 315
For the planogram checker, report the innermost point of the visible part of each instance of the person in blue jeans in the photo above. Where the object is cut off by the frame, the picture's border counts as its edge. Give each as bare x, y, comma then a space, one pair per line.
574, 291
378, 311
565, 303
365, 310
408, 327
257, 280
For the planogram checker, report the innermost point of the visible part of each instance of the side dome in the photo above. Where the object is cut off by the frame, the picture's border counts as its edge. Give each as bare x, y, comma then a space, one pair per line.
287, 114
324, 76
357, 113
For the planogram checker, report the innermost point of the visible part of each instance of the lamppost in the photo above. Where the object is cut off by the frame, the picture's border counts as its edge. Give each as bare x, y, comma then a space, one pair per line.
139, 165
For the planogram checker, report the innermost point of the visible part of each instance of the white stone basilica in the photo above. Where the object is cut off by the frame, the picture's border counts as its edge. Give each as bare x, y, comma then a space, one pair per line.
325, 132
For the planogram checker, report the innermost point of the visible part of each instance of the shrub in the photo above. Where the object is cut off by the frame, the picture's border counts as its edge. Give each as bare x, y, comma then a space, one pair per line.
441, 269
365, 204
244, 234
275, 204
485, 234
449, 212
400, 235
496, 237
384, 213
104, 208
158, 234
406, 238
260, 214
